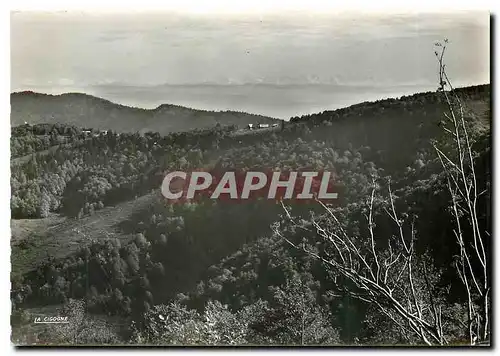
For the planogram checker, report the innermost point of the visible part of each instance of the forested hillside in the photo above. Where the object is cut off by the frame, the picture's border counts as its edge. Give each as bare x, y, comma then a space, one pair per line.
75, 109
220, 273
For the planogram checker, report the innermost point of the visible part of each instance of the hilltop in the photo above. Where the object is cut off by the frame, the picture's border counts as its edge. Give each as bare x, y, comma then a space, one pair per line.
89, 111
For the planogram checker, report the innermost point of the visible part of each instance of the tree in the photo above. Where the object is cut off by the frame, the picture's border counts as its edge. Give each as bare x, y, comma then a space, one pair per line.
174, 324
163, 239
140, 240
392, 279
159, 269
68, 333
80, 329
294, 316
462, 183
387, 272
44, 207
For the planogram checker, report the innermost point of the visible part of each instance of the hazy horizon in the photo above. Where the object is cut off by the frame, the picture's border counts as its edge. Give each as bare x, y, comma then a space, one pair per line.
277, 65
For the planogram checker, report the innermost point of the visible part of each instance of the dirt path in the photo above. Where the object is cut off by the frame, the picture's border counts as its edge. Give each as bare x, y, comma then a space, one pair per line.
34, 241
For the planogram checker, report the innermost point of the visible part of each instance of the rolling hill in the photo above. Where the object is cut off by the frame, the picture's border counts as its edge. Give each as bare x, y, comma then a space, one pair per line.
85, 110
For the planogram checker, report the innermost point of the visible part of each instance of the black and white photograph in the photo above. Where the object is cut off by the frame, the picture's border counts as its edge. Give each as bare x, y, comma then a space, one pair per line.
258, 178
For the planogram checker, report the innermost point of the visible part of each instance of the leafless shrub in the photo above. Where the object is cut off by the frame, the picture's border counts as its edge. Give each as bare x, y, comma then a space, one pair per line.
463, 187
392, 277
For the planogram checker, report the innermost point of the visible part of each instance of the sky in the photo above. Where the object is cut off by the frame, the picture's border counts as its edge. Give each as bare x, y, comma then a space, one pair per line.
277, 64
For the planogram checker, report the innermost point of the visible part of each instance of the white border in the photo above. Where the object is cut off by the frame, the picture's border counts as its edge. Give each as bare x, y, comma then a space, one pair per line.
240, 6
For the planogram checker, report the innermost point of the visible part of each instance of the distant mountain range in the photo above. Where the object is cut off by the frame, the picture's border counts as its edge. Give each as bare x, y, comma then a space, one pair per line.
84, 110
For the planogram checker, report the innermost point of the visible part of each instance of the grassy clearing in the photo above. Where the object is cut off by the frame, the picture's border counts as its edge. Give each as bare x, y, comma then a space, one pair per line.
33, 241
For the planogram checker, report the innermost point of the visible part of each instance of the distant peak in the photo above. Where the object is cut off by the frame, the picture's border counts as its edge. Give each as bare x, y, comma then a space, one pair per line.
164, 106
28, 93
